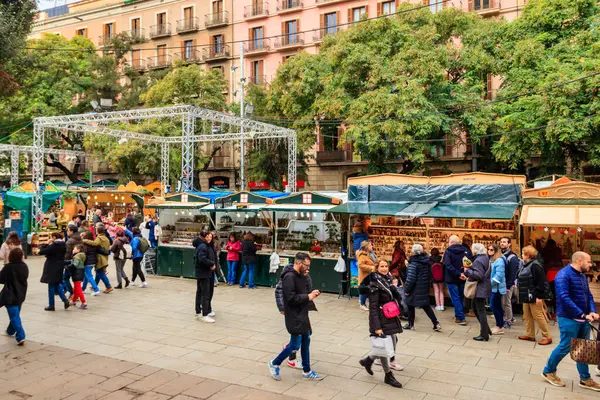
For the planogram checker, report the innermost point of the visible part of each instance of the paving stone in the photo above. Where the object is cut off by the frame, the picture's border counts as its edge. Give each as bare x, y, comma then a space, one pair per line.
348, 385
116, 383
485, 372
153, 380
120, 395
205, 389
428, 386
220, 374
178, 385
387, 392
467, 393
233, 392
454, 378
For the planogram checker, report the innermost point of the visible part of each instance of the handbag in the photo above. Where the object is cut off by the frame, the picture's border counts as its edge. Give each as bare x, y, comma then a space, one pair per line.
391, 309
470, 289
586, 351
382, 346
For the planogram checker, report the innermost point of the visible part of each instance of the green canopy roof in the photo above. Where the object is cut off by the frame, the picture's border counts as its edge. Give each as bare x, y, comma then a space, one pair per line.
369, 208
473, 210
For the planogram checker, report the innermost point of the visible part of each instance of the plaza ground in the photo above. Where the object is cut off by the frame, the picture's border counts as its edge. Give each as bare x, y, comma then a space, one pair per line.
146, 344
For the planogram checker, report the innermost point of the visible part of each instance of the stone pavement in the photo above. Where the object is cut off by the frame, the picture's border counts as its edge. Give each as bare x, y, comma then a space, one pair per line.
147, 344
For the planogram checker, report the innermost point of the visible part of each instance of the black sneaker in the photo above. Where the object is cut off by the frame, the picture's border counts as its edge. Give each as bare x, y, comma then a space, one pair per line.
126, 282
462, 322
390, 379
408, 327
67, 304
49, 308
437, 327
118, 287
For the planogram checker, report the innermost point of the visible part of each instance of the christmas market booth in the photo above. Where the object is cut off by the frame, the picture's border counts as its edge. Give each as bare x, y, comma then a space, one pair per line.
401, 210
561, 219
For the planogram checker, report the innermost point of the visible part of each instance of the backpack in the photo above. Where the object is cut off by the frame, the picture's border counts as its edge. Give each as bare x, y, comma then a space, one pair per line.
144, 245
437, 272
127, 251
279, 295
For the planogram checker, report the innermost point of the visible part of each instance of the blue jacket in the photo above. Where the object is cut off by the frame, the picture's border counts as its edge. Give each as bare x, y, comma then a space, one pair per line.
498, 276
135, 247
573, 296
512, 268
357, 239
453, 263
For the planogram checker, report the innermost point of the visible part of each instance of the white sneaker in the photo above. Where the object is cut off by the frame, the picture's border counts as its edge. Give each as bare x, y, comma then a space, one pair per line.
364, 308
597, 371
96, 293
207, 319
143, 284
443, 308
212, 314
395, 366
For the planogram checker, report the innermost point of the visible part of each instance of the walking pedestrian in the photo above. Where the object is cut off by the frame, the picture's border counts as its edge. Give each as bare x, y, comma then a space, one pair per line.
102, 245
437, 276
205, 284
249, 260
120, 257
97, 218
151, 225
14, 277
575, 309
91, 257
498, 277
12, 242
139, 245
480, 272
292, 361
74, 240
366, 265
512, 267
77, 271
298, 299
129, 221
532, 284
53, 269
233, 247
398, 267
383, 291
416, 287
453, 266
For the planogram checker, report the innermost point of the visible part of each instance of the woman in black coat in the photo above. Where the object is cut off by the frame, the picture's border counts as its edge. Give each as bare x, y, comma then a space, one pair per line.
249, 260
383, 290
53, 269
12, 296
416, 287
206, 263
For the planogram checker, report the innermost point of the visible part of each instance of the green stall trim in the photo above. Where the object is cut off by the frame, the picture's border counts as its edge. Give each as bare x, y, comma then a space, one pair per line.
369, 208
473, 210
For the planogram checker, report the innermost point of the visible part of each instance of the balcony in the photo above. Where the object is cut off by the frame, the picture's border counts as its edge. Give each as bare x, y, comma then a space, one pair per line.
217, 19
158, 62
136, 36
485, 7
257, 46
190, 56
188, 25
285, 6
259, 80
321, 33
324, 157
257, 10
138, 64
216, 52
289, 40
104, 40
327, 2
160, 30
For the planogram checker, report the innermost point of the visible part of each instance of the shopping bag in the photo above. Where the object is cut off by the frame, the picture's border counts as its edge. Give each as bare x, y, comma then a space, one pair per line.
586, 351
470, 289
382, 346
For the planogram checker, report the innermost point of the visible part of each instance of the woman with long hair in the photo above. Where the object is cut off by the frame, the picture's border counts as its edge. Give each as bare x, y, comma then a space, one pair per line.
366, 265
233, 247
498, 278
479, 272
437, 276
398, 267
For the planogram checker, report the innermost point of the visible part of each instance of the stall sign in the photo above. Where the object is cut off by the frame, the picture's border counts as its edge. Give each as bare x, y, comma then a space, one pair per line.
428, 221
218, 182
223, 203
258, 185
299, 184
543, 193
14, 215
8, 223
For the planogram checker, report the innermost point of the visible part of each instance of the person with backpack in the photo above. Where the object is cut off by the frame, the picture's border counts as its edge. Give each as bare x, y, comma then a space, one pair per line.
533, 286
512, 267
437, 276
479, 272
14, 277
292, 361
120, 255
102, 246
498, 286
139, 245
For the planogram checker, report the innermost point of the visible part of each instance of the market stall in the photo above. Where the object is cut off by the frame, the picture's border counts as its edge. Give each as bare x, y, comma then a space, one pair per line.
561, 219
428, 210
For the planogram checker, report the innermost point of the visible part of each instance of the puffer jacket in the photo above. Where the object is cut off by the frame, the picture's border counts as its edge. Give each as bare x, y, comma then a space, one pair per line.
382, 291
366, 265
74, 240
205, 259
573, 296
498, 276
453, 263
418, 278
480, 272
102, 245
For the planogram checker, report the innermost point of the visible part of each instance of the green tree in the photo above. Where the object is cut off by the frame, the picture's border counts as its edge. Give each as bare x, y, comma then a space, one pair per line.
553, 41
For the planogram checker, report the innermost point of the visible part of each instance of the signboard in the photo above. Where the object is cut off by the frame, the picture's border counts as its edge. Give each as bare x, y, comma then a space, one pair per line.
299, 183
258, 185
218, 182
14, 214
223, 203
428, 221
544, 193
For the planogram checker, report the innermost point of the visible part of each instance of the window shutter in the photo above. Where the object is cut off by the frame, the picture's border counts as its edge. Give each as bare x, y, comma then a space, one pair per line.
283, 59
337, 20
250, 34
350, 12
183, 49
283, 28
449, 145
320, 147
471, 5
397, 5
426, 2
489, 86
261, 72
322, 21
379, 9
367, 10
298, 26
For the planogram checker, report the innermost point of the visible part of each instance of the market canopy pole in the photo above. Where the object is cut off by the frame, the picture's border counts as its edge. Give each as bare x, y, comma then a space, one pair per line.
187, 152
164, 167
14, 168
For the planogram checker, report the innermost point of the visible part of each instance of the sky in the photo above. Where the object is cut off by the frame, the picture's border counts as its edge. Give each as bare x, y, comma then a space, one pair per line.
44, 4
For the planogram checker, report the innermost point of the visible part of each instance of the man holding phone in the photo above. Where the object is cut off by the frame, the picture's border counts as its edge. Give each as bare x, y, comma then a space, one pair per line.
298, 299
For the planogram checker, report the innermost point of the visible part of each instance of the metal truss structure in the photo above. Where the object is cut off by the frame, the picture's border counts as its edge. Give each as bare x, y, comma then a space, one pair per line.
193, 119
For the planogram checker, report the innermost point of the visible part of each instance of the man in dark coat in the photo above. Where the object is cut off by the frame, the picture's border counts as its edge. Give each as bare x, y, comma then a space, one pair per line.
416, 287
298, 299
53, 269
453, 264
206, 260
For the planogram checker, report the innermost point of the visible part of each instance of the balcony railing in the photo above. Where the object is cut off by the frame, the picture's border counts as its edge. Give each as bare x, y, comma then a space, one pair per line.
189, 56
258, 45
259, 80
485, 6
323, 2
188, 25
321, 33
157, 62
256, 10
289, 5
138, 64
216, 52
104, 40
160, 30
217, 19
136, 35
332, 156
289, 40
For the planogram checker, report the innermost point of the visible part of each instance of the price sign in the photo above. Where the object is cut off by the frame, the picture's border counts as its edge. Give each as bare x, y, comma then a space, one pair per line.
428, 221
543, 193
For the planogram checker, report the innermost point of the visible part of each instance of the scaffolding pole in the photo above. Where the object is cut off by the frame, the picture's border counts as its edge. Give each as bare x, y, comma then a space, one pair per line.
164, 167
187, 152
14, 168
37, 172
292, 164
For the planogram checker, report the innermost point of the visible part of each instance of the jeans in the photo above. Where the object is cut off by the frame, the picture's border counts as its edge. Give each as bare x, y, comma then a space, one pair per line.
205, 288
66, 281
248, 271
101, 276
54, 288
88, 278
301, 342
362, 298
15, 327
479, 306
428, 311
496, 305
456, 292
569, 329
137, 269
231, 270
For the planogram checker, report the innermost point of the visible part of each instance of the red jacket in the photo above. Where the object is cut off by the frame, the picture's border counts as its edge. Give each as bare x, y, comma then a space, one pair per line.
233, 250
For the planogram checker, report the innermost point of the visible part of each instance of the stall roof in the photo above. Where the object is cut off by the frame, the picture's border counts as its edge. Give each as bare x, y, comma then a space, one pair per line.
58, 183
557, 215
309, 198
271, 194
369, 208
233, 208
105, 183
80, 183
471, 178
299, 207
211, 195
473, 210
191, 198
571, 193
173, 205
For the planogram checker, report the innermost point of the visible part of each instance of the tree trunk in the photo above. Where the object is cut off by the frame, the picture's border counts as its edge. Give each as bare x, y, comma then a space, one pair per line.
73, 175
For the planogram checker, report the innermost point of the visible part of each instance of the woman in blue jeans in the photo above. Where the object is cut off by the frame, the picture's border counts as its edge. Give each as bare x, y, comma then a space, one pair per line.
366, 264
249, 260
53, 269
498, 277
91, 257
233, 247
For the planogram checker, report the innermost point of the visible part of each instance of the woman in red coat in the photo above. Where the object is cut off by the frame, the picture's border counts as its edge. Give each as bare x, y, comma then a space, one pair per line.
233, 247
398, 267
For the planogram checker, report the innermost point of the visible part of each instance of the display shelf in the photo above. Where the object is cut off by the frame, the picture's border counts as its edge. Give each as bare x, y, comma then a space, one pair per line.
437, 228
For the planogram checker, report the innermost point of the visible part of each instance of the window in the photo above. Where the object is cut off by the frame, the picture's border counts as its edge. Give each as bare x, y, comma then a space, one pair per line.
357, 13
243, 197
81, 32
161, 18
136, 27
219, 69
257, 38
188, 49
389, 7
481, 4
217, 7
306, 198
290, 30
136, 58
435, 6
218, 44
257, 72
188, 14
161, 54
184, 198
331, 23
109, 30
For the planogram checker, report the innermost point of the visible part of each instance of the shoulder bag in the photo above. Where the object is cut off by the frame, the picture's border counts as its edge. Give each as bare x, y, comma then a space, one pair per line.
471, 286
586, 351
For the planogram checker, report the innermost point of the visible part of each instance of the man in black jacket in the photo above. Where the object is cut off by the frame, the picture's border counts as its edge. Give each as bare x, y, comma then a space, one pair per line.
205, 266
298, 299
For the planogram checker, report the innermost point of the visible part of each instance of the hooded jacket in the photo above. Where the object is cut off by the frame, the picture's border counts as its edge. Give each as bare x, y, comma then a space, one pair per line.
366, 265
453, 263
118, 249
279, 289
418, 278
73, 241
296, 305
55, 262
480, 271
102, 246
14, 278
233, 250
205, 259
498, 276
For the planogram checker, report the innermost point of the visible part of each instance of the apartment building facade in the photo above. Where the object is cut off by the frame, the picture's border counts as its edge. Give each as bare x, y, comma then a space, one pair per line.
270, 31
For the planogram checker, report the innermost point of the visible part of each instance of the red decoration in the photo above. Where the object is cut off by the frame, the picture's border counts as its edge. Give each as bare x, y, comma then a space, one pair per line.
572, 230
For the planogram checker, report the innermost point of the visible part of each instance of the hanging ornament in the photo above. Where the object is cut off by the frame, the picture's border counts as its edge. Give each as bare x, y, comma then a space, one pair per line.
546, 229
541, 227
566, 232
572, 230
579, 229
553, 231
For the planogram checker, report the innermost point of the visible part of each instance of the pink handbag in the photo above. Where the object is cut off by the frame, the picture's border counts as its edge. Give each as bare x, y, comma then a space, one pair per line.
391, 309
